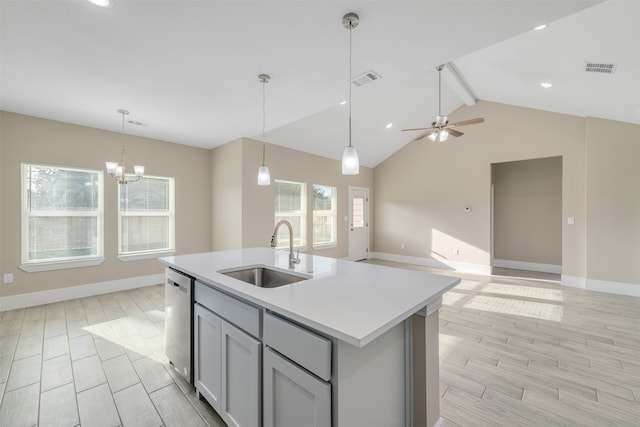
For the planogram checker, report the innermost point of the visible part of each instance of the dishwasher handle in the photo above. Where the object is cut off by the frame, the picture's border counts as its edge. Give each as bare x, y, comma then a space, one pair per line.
177, 285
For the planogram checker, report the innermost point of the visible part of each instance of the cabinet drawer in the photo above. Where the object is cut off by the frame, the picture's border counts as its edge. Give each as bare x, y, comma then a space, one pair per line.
307, 349
243, 315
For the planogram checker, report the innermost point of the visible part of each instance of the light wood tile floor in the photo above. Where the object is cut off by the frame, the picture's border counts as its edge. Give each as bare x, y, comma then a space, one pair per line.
96, 361
514, 352
519, 349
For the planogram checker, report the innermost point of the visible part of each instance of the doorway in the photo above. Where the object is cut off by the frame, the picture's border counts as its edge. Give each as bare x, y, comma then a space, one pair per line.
526, 215
358, 223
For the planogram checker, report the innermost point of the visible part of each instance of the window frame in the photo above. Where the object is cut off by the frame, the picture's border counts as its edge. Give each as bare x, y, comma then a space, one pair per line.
59, 263
333, 214
303, 215
170, 214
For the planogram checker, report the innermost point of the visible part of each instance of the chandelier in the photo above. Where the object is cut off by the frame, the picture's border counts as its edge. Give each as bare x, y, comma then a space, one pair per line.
118, 171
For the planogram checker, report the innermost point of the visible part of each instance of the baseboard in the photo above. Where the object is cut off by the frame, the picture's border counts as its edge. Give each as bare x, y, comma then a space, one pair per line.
54, 295
529, 266
434, 263
573, 281
620, 288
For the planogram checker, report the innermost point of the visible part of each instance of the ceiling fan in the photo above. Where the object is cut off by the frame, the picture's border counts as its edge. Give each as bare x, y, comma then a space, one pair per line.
441, 128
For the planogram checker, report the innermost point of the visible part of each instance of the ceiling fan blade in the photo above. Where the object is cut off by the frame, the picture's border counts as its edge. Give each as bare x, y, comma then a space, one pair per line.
403, 130
422, 135
454, 132
466, 122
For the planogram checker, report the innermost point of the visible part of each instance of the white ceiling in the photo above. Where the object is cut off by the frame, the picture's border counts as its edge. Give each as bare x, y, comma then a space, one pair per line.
188, 69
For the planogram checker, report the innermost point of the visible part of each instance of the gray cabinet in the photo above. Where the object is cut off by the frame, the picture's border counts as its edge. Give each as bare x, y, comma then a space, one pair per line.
227, 359
207, 335
296, 370
240, 378
292, 396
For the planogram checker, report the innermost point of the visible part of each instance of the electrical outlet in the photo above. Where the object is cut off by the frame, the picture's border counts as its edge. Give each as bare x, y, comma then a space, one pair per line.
456, 251
8, 278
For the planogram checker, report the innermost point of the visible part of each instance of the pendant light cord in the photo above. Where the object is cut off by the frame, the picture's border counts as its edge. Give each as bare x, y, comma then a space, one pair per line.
350, 73
264, 81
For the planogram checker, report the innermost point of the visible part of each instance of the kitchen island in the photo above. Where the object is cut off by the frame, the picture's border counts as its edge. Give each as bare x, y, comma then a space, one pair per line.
366, 334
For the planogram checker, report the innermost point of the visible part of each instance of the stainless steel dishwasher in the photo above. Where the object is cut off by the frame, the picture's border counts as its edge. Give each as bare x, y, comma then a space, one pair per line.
178, 321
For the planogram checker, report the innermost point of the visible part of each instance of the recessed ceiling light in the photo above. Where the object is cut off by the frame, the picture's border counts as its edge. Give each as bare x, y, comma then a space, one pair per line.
343, 102
546, 85
540, 27
389, 125
102, 3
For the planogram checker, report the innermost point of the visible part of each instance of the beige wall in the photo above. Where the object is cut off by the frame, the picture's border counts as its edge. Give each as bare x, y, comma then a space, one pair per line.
613, 201
29, 139
226, 196
257, 206
528, 210
422, 189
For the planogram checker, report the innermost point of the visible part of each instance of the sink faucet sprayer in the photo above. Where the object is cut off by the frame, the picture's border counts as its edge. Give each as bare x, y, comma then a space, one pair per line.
293, 259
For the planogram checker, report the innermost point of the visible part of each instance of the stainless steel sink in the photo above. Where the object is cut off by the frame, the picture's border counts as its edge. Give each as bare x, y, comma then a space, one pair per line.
264, 277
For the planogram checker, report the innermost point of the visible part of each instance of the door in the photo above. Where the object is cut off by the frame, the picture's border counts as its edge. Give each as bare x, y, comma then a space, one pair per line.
358, 223
292, 396
240, 378
208, 355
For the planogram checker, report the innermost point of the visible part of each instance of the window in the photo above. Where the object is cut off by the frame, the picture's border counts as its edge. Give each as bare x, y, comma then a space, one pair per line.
325, 216
146, 218
291, 204
62, 217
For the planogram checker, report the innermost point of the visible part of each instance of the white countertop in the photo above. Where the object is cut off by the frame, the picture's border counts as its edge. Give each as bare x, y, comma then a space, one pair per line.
353, 302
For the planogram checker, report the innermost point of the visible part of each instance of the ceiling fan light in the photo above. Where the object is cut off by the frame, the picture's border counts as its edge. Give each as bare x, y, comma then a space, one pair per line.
444, 135
433, 136
350, 162
264, 178
441, 120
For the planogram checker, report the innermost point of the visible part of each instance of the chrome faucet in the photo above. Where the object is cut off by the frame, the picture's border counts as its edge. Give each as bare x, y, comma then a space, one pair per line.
293, 259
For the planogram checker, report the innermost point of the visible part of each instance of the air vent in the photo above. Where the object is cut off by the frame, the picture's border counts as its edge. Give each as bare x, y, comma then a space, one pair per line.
133, 122
599, 67
368, 77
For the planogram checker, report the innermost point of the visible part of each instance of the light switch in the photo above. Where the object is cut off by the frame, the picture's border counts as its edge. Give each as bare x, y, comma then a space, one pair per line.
571, 220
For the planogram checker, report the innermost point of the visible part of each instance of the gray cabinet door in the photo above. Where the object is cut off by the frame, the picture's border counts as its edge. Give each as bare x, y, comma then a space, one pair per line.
240, 378
207, 347
293, 397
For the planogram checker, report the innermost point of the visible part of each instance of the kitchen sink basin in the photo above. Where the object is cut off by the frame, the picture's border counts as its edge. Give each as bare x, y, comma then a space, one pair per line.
264, 277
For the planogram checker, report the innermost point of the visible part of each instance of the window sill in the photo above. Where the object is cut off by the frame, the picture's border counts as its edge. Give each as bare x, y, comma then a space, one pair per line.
32, 267
145, 255
325, 246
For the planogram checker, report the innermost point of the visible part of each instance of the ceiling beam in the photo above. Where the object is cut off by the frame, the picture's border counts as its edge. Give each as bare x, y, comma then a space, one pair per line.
455, 81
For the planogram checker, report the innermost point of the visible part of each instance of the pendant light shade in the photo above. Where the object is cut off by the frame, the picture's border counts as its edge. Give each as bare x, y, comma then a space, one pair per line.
264, 177
350, 161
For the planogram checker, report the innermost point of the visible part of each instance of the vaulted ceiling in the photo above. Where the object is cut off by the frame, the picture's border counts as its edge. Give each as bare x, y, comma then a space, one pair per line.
187, 70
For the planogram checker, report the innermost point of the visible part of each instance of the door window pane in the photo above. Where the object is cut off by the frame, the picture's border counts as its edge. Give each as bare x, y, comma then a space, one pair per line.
358, 212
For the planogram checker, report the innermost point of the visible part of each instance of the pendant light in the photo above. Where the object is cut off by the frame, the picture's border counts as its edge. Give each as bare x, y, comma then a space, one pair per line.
118, 171
350, 162
264, 178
